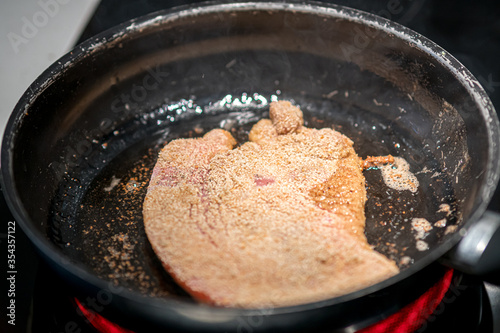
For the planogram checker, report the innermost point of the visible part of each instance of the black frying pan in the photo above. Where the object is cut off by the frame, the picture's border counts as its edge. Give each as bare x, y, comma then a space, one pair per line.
81, 144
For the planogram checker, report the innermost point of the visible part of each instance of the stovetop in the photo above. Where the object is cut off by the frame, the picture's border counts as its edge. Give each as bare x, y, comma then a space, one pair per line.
468, 30
465, 308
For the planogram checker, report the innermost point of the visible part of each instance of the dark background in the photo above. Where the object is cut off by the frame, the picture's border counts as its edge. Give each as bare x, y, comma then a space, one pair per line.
469, 30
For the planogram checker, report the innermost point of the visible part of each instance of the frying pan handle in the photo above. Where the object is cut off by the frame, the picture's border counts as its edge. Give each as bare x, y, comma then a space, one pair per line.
478, 253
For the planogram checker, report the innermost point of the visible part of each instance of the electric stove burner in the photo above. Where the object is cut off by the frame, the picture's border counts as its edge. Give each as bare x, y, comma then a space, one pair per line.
99, 322
456, 303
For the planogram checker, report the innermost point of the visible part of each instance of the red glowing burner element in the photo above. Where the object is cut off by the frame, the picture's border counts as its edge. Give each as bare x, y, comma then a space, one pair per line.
407, 320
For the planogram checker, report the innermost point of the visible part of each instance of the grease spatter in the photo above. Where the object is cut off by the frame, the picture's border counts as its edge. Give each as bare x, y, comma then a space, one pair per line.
114, 181
421, 245
406, 260
445, 208
421, 226
440, 224
450, 229
398, 175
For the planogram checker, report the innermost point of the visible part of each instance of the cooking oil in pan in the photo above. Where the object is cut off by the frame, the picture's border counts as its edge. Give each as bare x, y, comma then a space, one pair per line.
103, 225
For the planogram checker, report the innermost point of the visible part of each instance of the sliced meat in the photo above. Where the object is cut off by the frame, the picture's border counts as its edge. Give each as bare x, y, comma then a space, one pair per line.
277, 221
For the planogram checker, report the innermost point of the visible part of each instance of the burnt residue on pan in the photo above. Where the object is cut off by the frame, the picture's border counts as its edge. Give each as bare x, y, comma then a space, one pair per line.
96, 216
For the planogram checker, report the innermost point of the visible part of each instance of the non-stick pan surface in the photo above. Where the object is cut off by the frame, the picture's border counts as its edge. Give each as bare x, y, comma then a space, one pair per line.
96, 215
82, 143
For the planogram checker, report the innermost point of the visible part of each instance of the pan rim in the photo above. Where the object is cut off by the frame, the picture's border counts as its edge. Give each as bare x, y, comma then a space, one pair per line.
113, 35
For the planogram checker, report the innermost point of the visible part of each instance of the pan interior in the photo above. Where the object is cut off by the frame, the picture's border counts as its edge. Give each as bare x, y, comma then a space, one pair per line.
81, 172
96, 215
